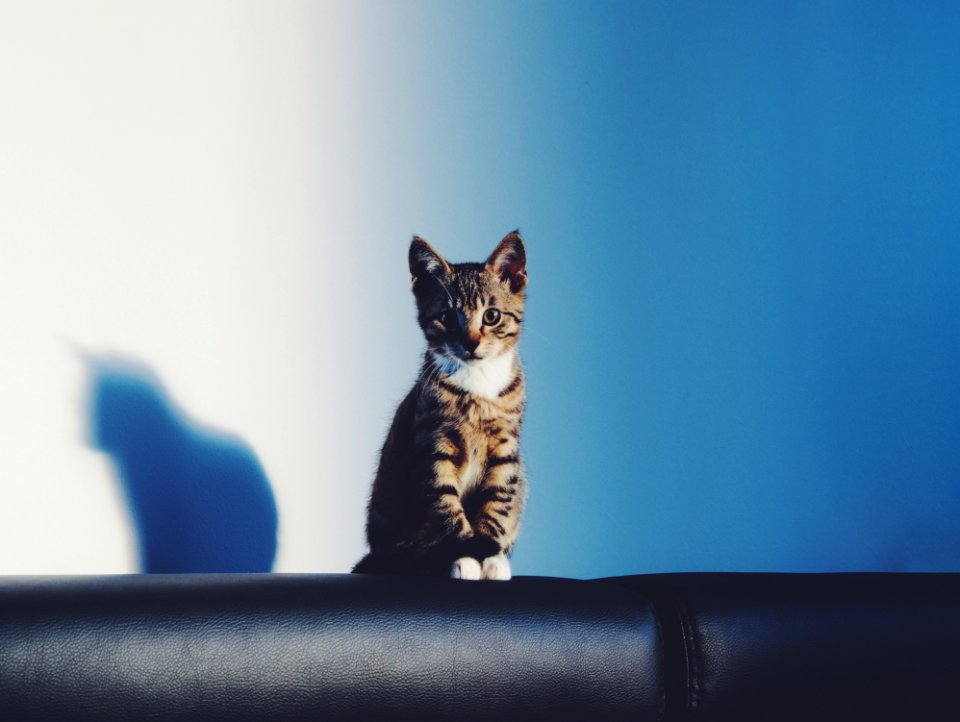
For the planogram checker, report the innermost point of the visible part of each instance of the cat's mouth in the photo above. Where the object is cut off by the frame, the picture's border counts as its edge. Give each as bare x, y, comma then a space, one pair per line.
451, 360
459, 354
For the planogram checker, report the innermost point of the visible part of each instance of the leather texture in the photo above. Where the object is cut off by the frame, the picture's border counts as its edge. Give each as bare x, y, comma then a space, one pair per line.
816, 647
279, 647
684, 647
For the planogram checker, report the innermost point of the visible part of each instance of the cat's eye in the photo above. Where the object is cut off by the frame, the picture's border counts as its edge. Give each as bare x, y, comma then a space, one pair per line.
491, 317
450, 319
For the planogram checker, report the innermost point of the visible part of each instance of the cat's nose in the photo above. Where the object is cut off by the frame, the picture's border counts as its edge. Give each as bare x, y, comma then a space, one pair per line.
470, 343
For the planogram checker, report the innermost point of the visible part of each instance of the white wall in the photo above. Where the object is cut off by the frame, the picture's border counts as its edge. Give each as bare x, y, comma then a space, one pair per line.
173, 188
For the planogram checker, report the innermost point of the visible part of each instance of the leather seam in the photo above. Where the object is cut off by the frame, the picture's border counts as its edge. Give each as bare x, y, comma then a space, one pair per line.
693, 657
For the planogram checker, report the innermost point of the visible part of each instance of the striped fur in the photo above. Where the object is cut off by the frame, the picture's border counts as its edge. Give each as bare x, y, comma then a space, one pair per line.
450, 485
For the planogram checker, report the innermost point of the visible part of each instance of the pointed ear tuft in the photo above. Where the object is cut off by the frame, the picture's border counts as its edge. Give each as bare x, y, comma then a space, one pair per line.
425, 262
509, 262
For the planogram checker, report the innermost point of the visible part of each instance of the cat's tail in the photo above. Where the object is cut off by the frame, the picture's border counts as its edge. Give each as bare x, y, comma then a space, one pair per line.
370, 564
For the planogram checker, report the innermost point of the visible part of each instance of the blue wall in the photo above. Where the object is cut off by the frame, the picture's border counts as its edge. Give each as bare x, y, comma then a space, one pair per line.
744, 246
743, 233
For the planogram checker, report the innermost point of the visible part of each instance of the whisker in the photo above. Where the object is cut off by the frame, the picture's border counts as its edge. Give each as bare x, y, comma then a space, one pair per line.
434, 371
527, 329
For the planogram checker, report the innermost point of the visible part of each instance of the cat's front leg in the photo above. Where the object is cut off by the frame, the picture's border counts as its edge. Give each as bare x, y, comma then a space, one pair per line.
447, 515
496, 567
466, 568
495, 525
471, 552
444, 506
498, 514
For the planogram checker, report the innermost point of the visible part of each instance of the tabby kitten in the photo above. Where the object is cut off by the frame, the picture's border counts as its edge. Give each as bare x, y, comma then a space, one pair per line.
450, 486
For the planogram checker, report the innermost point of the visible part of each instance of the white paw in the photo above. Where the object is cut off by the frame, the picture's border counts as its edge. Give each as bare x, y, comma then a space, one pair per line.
465, 568
496, 567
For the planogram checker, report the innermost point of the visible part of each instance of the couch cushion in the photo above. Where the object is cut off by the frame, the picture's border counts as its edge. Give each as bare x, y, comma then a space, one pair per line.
808, 646
279, 647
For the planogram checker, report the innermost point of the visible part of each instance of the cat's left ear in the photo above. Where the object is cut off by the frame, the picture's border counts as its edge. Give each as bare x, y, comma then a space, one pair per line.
509, 262
425, 261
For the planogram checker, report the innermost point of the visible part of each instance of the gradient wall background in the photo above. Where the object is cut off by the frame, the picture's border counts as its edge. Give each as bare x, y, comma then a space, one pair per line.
744, 244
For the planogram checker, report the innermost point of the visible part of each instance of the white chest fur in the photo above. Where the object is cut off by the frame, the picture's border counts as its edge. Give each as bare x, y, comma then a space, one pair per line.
487, 377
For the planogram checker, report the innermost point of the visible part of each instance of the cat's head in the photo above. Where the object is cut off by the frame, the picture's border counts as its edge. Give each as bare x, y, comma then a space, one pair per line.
470, 311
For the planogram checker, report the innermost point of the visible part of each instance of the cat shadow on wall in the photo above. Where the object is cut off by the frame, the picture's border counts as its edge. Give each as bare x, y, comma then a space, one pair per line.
199, 498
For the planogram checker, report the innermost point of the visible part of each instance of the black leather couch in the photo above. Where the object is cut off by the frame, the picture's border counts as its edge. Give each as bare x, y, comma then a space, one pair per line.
303, 647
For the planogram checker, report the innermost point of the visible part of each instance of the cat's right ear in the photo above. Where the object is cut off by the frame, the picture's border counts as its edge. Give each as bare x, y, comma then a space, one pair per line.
509, 262
426, 262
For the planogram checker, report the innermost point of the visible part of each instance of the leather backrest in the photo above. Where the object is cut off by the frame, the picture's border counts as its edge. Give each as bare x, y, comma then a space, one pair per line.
276, 647
815, 647
684, 647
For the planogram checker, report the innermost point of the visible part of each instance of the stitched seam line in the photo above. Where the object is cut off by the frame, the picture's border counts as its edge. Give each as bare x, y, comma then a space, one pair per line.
693, 658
